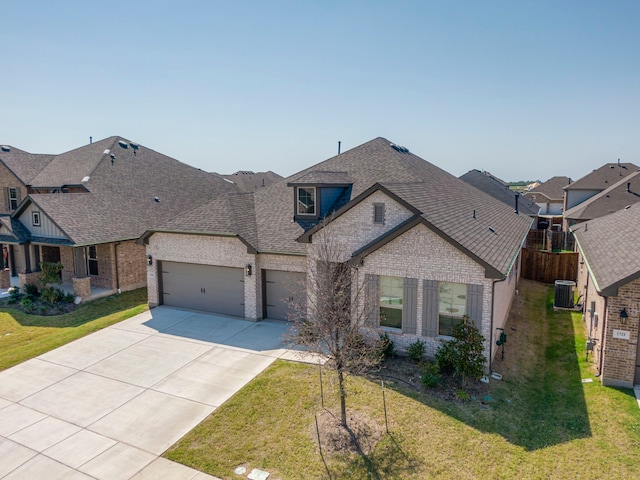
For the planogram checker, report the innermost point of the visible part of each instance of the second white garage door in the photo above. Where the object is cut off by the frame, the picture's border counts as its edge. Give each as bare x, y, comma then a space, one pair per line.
203, 287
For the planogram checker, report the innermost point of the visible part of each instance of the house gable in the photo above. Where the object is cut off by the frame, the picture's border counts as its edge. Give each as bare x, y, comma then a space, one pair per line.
356, 225
37, 222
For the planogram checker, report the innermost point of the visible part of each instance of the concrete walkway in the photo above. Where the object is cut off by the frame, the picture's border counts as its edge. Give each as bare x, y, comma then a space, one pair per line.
107, 405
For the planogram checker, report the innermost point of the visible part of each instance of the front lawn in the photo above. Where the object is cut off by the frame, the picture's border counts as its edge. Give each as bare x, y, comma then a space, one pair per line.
24, 336
540, 421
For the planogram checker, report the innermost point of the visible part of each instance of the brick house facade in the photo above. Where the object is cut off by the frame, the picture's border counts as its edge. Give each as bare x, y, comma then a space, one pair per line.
86, 208
609, 282
410, 231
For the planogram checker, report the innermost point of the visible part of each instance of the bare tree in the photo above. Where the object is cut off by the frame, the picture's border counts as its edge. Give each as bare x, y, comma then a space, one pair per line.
331, 322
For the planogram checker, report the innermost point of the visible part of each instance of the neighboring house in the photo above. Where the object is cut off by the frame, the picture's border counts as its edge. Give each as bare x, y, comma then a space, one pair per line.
499, 190
609, 280
549, 196
626, 191
17, 170
85, 208
248, 181
430, 248
594, 183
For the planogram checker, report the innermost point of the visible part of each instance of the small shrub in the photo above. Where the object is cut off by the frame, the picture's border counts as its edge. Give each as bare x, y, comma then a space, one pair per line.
69, 298
415, 351
445, 358
27, 305
388, 348
31, 290
462, 395
43, 310
52, 295
464, 355
430, 375
14, 295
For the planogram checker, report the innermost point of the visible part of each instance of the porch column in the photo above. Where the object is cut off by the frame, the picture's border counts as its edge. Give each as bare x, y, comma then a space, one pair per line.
5, 278
27, 258
82, 287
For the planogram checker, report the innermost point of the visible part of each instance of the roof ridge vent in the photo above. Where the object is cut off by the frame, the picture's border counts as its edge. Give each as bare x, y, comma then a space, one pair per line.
123, 144
6, 148
399, 148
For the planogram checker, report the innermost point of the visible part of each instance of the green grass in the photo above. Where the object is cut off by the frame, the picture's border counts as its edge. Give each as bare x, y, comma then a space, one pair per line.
542, 422
24, 336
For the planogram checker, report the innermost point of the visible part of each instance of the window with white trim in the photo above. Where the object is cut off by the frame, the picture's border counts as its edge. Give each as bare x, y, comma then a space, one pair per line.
13, 198
452, 306
306, 201
391, 295
35, 219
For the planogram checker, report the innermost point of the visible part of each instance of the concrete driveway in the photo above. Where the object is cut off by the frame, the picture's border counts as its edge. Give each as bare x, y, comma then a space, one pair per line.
107, 405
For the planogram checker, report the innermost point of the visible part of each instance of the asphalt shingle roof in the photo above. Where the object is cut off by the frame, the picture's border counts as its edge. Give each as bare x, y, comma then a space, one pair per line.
121, 200
602, 177
251, 181
230, 214
625, 191
445, 201
610, 247
497, 189
26, 166
552, 188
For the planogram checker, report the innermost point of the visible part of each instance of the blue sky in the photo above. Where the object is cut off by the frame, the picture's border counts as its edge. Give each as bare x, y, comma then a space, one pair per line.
525, 90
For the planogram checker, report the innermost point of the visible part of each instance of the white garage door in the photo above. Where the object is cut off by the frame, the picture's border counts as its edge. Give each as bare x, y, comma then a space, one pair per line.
203, 287
282, 289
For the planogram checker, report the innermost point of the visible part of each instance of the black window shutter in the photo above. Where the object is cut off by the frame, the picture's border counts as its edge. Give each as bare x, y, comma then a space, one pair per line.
429, 308
409, 305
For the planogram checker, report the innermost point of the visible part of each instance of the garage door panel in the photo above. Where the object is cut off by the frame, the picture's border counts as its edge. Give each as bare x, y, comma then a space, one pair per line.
282, 290
203, 287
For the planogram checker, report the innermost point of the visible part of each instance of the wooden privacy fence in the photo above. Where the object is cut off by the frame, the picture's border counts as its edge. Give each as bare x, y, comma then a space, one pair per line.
549, 267
540, 239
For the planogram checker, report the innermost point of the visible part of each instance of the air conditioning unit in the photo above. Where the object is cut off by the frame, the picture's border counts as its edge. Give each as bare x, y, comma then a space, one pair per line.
563, 294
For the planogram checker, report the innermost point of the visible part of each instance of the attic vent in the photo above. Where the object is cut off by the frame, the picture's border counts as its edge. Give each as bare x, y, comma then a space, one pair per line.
492, 230
156, 199
627, 207
113, 159
399, 148
5, 148
85, 179
135, 146
123, 144
227, 180
106, 151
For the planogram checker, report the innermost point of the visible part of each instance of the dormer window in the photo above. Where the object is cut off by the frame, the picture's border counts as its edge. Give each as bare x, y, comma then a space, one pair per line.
306, 197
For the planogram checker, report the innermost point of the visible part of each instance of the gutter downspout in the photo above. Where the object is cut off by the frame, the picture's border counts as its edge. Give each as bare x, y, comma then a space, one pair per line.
493, 307
604, 332
115, 256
